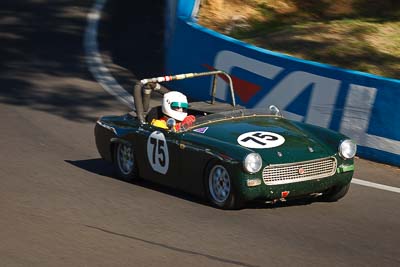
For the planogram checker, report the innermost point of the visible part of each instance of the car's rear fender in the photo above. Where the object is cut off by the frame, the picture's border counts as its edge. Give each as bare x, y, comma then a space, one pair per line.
108, 133
103, 135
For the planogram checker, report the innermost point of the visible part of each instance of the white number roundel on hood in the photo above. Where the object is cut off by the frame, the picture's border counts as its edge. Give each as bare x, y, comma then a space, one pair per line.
260, 139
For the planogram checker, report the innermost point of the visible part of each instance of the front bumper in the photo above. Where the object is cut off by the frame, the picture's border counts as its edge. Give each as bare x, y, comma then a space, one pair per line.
295, 190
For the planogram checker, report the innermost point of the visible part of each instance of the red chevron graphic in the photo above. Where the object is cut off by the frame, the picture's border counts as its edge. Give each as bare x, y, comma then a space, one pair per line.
244, 89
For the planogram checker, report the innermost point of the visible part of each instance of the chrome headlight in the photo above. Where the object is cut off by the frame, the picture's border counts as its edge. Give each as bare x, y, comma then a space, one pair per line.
252, 163
347, 149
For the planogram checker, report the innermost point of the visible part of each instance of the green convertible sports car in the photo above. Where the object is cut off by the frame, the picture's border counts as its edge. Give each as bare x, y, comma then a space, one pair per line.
230, 154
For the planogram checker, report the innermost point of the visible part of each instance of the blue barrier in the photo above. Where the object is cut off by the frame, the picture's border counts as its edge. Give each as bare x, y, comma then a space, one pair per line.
360, 105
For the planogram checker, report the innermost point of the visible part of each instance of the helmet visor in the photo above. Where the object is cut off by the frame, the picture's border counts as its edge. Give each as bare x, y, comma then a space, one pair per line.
181, 106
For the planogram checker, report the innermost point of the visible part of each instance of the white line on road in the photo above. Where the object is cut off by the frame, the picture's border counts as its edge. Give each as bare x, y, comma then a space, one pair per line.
94, 61
375, 185
110, 85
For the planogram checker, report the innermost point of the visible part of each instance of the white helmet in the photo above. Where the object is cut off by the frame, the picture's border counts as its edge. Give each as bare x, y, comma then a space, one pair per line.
175, 105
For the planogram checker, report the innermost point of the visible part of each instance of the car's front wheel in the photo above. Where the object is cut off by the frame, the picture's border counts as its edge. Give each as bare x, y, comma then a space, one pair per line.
125, 163
220, 189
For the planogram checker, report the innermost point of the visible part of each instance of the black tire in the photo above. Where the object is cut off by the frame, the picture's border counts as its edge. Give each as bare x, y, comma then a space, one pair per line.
220, 190
125, 162
336, 193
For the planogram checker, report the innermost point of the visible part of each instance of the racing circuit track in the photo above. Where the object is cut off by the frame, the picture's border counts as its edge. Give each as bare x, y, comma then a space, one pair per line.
61, 206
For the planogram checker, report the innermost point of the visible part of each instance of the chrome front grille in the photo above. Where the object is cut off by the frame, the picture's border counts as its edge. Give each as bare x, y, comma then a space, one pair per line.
299, 171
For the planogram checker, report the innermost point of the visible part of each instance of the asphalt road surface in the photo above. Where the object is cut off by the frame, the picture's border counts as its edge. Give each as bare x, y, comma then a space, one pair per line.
61, 206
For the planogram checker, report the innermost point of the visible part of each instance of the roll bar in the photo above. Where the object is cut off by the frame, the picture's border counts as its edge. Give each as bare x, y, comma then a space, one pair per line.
143, 87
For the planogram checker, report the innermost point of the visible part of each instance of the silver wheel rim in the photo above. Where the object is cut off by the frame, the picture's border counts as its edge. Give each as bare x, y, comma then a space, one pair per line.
125, 158
219, 184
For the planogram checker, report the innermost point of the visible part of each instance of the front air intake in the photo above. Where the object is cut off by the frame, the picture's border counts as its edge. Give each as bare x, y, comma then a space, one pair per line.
299, 171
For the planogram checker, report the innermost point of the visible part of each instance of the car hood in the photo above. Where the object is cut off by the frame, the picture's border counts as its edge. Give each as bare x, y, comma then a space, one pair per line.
276, 139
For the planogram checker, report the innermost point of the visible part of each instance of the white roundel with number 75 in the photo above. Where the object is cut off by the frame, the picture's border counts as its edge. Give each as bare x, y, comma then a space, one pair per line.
157, 152
260, 139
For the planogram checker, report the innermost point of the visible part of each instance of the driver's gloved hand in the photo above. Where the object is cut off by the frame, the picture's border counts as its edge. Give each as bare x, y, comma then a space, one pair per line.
188, 121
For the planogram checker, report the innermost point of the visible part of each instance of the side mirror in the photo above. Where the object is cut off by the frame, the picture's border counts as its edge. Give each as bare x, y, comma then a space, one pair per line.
275, 110
171, 123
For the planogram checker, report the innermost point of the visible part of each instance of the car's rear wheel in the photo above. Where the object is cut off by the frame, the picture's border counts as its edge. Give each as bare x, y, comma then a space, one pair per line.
220, 189
125, 162
336, 193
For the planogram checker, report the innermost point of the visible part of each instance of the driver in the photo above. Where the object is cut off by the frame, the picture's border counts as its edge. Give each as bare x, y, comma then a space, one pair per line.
174, 106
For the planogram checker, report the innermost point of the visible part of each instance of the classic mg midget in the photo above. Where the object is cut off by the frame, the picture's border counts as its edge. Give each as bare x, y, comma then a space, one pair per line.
230, 155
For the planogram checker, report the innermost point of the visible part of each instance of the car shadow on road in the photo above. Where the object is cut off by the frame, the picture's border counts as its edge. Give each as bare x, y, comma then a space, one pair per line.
101, 167
104, 168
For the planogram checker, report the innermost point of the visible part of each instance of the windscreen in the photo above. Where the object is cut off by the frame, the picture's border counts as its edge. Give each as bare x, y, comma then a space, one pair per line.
232, 114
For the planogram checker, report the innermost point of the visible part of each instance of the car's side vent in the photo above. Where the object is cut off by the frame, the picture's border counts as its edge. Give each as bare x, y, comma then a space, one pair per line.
299, 171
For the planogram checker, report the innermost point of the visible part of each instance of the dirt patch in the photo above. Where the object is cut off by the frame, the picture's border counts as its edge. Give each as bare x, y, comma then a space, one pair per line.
218, 15
343, 33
